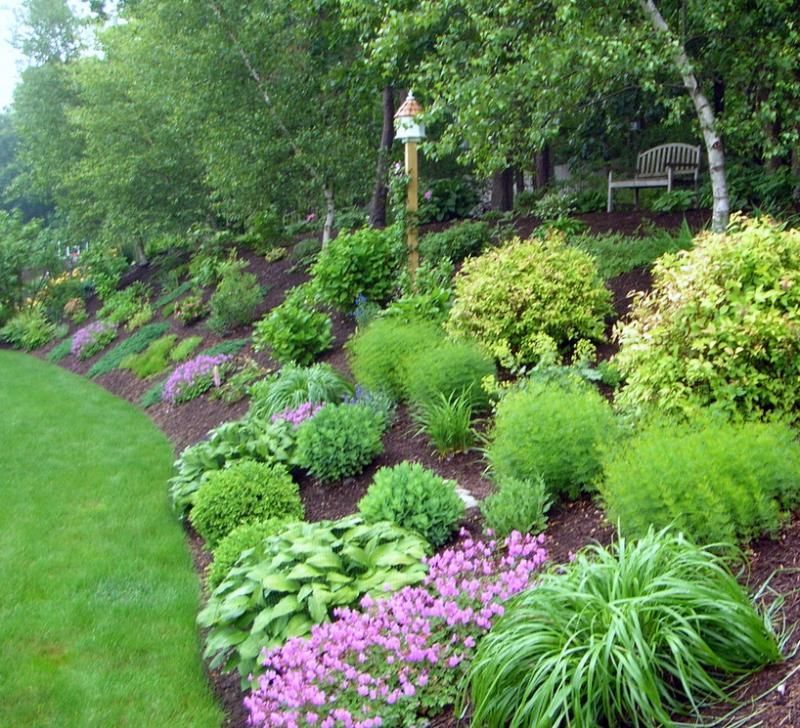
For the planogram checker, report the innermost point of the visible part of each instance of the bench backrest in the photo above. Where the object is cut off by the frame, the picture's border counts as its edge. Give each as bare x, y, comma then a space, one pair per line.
683, 158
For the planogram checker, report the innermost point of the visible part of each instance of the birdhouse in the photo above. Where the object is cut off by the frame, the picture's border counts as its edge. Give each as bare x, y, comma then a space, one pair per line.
407, 126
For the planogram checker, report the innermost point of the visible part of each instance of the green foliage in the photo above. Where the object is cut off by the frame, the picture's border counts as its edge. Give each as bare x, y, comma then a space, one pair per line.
518, 505
296, 579
447, 421
185, 348
426, 298
363, 263
445, 199
555, 205
415, 498
237, 387
251, 439
240, 539
244, 492
104, 265
122, 306
99, 341
153, 395
719, 327
235, 301
377, 354
229, 347
456, 242
553, 430
452, 367
616, 254
674, 201
714, 480
295, 332
134, 344
29, 329
168, 297
293, 385
506, 298
22, 249
190, 309
306, 251
339, 441
153, 360
60, 351
63, 297
633, 635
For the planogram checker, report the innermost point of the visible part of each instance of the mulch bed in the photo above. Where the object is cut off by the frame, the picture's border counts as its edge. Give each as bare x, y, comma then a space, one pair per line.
571, 525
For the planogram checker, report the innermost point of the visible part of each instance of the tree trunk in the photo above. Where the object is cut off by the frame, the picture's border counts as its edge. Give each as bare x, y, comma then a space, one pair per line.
796, 172
705, 114
377, 205
543, 168
503, 190
327, 228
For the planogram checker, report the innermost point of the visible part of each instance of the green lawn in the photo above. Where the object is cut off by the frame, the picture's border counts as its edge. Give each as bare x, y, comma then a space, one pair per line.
97, 594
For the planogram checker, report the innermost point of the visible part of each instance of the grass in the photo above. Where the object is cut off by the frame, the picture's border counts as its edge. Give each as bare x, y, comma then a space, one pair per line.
99, 597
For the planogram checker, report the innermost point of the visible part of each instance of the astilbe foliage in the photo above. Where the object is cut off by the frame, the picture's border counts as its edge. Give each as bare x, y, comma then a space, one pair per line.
402, 655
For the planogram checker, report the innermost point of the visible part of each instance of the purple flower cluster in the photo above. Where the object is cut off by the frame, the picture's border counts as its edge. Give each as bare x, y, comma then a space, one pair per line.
401, 654
299, 414
201, 369
85, 338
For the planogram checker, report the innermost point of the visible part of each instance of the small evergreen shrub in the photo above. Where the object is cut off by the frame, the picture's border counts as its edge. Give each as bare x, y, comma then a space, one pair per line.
518, 505
456, 242
185, 348
552, 430
447, 421
29, 329
235, 301
153, 360
453, 367
719, 327
632, 635
415, 498
363, 263
506, 298
134, 344
152, 396
240, 539
294, 331
339, 441
378, 353
245, 492
60, 351
714, 480
190, 309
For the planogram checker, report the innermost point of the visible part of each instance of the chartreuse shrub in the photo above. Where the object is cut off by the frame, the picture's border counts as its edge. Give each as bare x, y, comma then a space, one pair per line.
185, 348
28, 329
518, 505
362, 263
252, 439
245, 492
295, 580
453, 367
154, 359
554, 430
240, 539
416, 498
339, 441
508, 297
134, 344
632, 635
457, 242
714, 480
378, 353
293, 385
719, 327
295, 332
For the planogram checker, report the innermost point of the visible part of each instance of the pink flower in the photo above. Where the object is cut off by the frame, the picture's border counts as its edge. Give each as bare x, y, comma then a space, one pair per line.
428, 194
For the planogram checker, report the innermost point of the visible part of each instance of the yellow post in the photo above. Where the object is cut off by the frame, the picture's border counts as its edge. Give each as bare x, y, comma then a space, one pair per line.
412, 236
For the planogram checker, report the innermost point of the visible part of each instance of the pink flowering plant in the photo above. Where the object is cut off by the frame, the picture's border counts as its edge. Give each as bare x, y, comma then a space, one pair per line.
192, 378
296, 415
90, 339
402, 657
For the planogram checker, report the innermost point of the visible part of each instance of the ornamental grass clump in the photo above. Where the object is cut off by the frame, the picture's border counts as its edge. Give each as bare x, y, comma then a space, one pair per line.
196, 376
631, 635
402, 656
92, 338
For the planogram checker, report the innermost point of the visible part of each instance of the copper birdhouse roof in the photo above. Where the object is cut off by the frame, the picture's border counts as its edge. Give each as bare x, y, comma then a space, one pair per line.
410, 107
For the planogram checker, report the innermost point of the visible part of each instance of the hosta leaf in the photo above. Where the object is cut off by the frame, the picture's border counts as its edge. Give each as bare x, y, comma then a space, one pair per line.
325, 560
304, 571
298, 626
316, 609
251, 647
279, 583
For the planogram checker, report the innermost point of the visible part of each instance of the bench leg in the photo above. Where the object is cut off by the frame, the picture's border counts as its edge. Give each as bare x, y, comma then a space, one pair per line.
610, 204
636, 198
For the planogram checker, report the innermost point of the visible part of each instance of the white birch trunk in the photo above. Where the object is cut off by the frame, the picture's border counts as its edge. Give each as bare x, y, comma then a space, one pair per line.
327, 228
716, 155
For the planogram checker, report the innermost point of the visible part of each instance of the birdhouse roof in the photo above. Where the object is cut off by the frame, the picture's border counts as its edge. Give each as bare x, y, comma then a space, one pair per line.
410, 107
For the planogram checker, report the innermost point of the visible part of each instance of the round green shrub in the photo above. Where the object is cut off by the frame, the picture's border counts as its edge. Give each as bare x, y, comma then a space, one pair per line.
714, 480
246, 491
362, 263
551, 430
235, 301
339, 441
378, 353
719, 326
451, 368
416, 498
456, 242
230, 548
507, 298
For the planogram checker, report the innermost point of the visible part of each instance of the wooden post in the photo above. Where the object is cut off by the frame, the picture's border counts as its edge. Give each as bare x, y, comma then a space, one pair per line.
412, 234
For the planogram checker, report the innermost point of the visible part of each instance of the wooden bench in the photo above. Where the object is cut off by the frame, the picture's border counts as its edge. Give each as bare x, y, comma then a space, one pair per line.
659, 167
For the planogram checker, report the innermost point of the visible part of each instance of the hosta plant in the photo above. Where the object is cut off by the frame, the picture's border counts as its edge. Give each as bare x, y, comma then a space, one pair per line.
631, 635
295, 580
